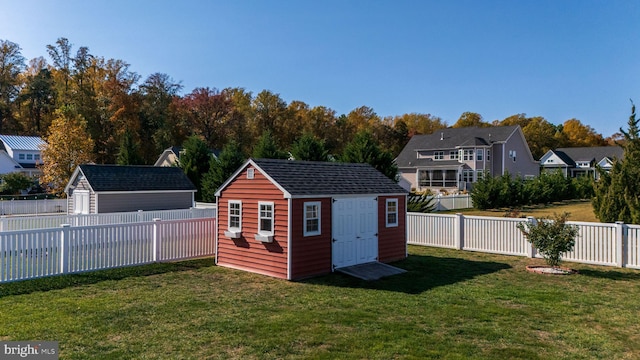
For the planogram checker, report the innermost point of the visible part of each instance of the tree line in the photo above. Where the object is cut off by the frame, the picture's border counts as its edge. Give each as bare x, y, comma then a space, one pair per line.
124, 119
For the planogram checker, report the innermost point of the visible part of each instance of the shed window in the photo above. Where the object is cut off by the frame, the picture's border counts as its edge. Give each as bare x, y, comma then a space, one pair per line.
392, 212
266, 218
235, 215
312, 218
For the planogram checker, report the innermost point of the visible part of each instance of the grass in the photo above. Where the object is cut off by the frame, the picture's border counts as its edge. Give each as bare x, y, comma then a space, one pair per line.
579, 210
449, 305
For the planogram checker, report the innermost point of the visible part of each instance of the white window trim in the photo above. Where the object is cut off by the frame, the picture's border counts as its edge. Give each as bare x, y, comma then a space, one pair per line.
263, 235
479, 154
438, 155
232, 231
319, 217
386, 219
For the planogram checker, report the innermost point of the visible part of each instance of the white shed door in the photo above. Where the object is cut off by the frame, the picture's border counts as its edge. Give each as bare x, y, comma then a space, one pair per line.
354, 231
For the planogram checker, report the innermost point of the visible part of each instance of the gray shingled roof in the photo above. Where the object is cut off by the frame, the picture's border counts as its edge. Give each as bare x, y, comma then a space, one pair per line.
451, 138
596, 153
310, 178
135, 178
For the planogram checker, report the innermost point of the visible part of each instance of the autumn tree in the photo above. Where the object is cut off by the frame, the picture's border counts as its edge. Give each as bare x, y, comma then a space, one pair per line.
37, 98
206, 111
423, 124
578, 134
364, 149
469, 119
617, 193
269, 114
220, 169
310, 148
157, 94
11, 66
237, 127
68, 145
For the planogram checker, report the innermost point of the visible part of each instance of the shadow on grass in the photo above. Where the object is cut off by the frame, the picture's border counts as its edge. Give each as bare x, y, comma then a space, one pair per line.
93, 277
611, 274
423, 273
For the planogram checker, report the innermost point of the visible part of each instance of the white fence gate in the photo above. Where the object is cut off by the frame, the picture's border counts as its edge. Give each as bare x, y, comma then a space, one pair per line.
597, 243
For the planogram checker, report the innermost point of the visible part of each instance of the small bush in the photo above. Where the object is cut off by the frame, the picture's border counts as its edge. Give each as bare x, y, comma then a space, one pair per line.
551, 237
423, 203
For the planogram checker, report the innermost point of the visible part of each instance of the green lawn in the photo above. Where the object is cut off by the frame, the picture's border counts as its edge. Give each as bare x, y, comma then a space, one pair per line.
450, 305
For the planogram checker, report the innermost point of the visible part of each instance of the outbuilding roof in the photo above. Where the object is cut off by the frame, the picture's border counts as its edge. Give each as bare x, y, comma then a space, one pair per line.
134, 178
16, 142
315, 178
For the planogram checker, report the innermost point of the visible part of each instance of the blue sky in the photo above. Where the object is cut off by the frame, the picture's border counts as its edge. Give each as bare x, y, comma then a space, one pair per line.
559, 59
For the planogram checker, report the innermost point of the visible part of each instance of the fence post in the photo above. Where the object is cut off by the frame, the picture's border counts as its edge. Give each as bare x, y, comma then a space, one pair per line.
64, 248
620, 242
531, 250
140, 216
156, 238
458, 232
3, 223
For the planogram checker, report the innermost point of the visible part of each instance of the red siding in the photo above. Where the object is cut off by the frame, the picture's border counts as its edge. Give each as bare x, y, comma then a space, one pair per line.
310, 255
246, 253
392, 241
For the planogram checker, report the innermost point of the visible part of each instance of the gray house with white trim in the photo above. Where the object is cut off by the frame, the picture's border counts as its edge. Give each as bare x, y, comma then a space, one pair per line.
95, 189
454, 158
580, 161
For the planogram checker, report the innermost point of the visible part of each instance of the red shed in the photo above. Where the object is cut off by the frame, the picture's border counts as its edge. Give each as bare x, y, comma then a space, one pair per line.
296, 219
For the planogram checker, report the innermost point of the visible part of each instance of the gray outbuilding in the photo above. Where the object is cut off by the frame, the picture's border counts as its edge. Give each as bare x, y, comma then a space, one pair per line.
95, 189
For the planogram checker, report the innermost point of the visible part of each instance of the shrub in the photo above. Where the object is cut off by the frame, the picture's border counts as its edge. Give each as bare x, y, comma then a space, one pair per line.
551, 237
423, 203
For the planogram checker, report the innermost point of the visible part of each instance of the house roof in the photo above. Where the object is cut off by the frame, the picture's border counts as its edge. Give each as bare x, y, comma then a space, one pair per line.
596, 153
16, 142
314, 178
133, 178
452, 138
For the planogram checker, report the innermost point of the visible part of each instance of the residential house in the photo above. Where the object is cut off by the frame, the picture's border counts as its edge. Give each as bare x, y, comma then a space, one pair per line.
296, 219
20, 154
453, 159
580, 161
96, 189
170, 156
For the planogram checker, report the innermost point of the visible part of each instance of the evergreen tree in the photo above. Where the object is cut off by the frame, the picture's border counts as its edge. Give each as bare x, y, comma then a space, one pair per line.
364, 149
129, 152
266, 148
617, 193
195, 161
308, 147
220, 169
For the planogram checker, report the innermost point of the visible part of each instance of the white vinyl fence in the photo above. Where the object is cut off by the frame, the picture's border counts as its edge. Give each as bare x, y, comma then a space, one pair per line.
452, 202
597, 243
9, 223
29, 254
22, 207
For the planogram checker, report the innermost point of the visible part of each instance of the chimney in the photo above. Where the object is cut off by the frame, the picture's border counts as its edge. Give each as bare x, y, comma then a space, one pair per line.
441, 136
